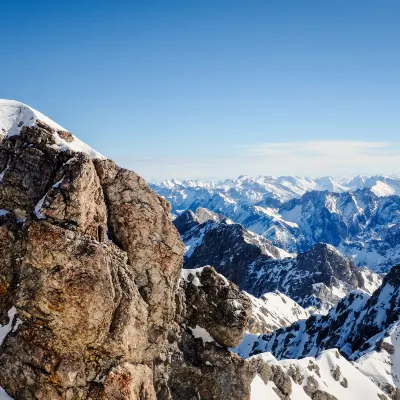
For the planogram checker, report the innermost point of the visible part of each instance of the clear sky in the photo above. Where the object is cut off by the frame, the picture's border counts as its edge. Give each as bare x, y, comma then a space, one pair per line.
214, 89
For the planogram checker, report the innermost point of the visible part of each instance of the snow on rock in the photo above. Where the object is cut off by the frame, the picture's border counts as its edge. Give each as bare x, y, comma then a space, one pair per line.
15, 115
274, 310
360, 217
316, 279
365, 329
5, 329
261, 391
38, 207
192, 276
304, 338
199, 332
330, 373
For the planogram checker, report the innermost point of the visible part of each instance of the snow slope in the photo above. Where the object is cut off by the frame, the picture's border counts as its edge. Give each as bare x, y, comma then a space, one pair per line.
274, 310
330, 373
15, 115
382, 365
365, 329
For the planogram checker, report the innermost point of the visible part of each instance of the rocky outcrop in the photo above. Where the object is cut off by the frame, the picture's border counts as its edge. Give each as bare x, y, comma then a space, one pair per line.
138, 221
92, 303
229, 247
213, 316
89, 269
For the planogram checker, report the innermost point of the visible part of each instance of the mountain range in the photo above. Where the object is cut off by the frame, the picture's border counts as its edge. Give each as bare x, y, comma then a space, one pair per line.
358, 219
95, 305
364, 328
315, 279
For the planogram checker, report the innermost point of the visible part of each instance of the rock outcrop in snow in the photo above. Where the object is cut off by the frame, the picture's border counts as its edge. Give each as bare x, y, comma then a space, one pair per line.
213, 315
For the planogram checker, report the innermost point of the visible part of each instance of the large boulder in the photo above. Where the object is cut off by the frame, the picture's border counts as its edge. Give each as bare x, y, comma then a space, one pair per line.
212, 316
89, 267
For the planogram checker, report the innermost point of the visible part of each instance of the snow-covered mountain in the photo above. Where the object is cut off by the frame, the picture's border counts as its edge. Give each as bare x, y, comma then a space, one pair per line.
316, 279
327, 377
365, 329
362, 223
268, 190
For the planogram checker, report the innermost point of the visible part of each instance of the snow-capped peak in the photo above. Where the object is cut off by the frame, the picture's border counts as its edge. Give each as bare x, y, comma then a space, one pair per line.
15, 115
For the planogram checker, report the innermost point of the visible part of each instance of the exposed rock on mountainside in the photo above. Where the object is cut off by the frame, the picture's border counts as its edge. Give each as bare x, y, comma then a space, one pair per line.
83, 316
213, 316
359, 325
317, 278
190, 219
365, 328
229, 247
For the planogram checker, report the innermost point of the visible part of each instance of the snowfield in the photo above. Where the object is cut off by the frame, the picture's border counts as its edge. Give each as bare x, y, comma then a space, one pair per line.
330, 373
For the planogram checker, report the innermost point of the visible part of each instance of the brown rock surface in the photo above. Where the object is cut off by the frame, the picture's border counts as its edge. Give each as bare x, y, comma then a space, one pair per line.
85, 310
90, 287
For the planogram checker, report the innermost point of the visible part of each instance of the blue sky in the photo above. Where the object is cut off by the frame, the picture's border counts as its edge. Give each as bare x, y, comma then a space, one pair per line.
214, 89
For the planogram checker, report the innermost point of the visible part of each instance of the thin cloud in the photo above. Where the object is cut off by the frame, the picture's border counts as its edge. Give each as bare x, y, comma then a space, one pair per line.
307, 158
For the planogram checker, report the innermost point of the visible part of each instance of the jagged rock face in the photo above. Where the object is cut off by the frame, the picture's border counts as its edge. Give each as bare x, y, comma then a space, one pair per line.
76, 199
230, 248
190, 219
213, 316
316, 278
86, 315
10, 248
136, 382
139, 222
28, 163
217, 306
